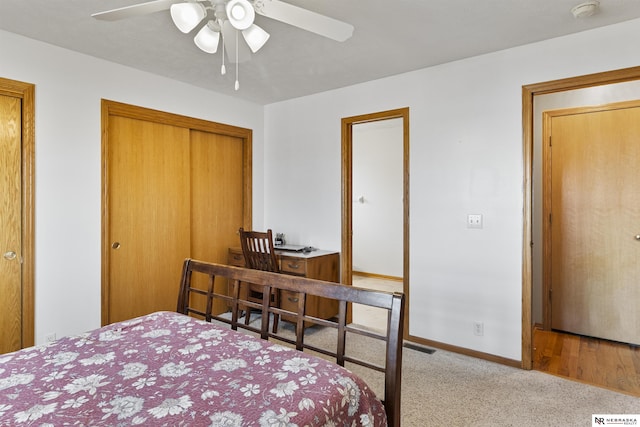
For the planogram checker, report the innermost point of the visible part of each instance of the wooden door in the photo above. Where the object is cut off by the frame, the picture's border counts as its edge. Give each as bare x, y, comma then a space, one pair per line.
592, 200
174, 187
10, 224
149, 229
217, 200
217, 189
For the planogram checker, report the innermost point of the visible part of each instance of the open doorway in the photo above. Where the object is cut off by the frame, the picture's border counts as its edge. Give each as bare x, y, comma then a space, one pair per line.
531, 294
375, 206
377, 214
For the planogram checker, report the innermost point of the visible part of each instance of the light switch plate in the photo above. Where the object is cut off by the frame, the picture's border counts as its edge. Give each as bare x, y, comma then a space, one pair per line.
474, 221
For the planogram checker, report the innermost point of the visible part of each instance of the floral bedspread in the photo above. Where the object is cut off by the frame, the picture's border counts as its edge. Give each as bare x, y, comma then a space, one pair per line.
167, 369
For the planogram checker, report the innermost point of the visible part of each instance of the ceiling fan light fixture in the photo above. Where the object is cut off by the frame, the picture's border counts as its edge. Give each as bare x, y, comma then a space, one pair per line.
240, 13
231, 17
255, 37
186, 16
208, 37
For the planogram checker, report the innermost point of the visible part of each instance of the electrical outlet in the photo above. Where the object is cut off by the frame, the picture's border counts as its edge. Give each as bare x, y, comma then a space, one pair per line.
478, 329
474, 221
50, 338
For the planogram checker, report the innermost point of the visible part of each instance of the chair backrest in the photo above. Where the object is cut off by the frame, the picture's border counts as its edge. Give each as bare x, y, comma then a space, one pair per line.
258, 250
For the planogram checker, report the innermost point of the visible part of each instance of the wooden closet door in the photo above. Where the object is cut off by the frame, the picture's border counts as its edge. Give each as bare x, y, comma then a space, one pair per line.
217, 203
10, 225
149, 215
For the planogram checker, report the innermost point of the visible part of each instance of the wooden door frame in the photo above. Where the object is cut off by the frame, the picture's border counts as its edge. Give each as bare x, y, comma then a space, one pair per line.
529, 92
346, 259
113, 108
26, 93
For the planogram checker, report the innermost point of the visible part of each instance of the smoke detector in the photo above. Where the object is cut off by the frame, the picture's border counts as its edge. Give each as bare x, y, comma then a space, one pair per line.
586, 9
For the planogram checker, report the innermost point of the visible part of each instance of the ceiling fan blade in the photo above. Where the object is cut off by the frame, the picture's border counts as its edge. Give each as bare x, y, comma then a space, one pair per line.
304, 19
135, 10
233, 37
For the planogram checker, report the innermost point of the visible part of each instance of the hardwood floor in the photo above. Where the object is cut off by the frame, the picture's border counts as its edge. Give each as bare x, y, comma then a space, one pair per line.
602, 363
371, 317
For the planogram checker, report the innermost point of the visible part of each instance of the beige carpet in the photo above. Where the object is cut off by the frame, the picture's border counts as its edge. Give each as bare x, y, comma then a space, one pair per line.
448, 389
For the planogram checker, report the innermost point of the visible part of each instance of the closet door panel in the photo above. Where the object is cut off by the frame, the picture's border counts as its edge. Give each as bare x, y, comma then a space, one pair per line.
10, 224
217, 205
148, 179
217, 194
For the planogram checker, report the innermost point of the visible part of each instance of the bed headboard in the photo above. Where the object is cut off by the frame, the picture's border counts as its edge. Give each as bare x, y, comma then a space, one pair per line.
213, 292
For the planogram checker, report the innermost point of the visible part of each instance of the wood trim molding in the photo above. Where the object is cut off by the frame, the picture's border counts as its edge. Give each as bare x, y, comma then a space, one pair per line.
527, 227
26, 92
346, 258
529, 92
142, 113
546, 225
467, 352
377, 276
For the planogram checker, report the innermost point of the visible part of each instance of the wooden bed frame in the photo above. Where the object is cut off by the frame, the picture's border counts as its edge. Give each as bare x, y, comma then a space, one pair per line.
223, 284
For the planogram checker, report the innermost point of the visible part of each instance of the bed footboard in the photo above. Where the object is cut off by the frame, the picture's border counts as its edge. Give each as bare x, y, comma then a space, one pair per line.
205, 287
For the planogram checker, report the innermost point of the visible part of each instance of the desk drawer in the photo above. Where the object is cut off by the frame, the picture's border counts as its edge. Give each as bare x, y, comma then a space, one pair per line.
289, 301
291, 265
236, 259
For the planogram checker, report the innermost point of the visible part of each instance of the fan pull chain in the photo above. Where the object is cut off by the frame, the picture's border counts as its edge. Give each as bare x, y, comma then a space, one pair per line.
237, 86
223, 69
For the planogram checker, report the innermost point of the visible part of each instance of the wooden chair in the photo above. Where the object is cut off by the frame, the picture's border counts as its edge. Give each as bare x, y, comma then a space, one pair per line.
259, 254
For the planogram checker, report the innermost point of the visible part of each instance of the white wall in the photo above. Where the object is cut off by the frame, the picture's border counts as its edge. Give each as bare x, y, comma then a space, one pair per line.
466, 157
69, 87
377, 208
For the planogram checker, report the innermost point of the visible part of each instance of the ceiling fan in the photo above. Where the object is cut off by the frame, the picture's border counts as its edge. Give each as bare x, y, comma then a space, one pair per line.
229, 18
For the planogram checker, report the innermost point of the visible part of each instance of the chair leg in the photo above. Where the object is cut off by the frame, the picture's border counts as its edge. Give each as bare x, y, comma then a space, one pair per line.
247, 316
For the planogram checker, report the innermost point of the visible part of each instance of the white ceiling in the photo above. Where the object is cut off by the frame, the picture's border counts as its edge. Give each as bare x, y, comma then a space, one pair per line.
390, 37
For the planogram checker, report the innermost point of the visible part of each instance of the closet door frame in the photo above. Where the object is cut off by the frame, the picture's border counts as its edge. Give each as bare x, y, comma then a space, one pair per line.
112, 108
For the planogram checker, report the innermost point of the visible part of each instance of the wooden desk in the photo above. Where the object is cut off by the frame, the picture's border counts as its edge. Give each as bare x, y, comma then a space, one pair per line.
321, 265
